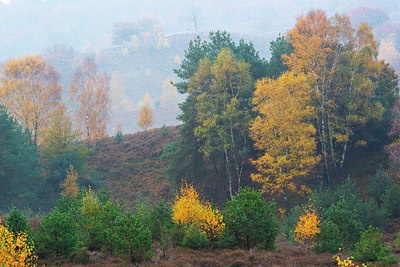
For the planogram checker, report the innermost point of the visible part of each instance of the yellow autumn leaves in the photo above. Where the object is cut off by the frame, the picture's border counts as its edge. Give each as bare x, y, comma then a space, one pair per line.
188, 210
307, 227
284, 132
15, 250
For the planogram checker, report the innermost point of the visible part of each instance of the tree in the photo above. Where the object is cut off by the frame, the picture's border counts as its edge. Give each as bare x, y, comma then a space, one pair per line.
223, 89
70, 184
308, 227
343, 69
276, 65
15, 250
91, 91
184, 156
283, 133
31, 90
169, 95
250, 221
62, 147
19, 162
146, 119
132, 238
118, 98
189, 211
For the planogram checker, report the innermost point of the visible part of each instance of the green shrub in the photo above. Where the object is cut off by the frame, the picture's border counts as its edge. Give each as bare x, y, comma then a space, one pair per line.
328, 239
367, 213
290, 223
165, 131
391, 202
160, 220
194, 238
132, 239
376, 215
349, 226
103, 221
371, 248
17, 223
250, 221
118, 137
56, 235
378, 185
398, 240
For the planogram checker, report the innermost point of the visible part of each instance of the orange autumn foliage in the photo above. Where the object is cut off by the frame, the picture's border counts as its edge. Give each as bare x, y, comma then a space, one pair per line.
15, 250
188, 210
307, 227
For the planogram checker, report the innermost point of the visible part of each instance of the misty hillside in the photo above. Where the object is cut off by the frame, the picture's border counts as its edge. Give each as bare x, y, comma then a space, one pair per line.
147, 70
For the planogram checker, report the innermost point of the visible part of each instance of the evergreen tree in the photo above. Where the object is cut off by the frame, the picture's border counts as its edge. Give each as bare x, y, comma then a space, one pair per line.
18, 164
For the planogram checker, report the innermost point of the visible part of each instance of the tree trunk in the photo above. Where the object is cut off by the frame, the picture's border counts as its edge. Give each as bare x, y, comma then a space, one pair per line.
228, 172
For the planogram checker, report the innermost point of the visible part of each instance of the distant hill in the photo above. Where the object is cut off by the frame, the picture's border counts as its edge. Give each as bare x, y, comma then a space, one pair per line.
148, 70
137, 73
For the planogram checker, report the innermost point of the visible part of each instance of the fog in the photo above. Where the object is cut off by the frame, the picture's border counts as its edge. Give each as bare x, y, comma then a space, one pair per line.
31, 26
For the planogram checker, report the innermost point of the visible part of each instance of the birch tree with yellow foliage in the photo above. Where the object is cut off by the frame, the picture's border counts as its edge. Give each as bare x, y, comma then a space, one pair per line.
70, 185
146, 117
15, 250
342, 65
30, 88
283, 133
188, 210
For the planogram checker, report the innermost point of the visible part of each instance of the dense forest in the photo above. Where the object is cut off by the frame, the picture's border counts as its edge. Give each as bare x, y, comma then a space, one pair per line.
288, 161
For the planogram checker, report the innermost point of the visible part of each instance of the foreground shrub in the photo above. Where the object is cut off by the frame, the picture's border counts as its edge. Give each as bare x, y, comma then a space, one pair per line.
160, 220
17, 223
307, 227
371, 248
15, 250
189, 210
391, 201
328, 239
194, 238
367, 213
132, 239
290, 222
250, 221
99, 216
349, 226
57, 234
378, 185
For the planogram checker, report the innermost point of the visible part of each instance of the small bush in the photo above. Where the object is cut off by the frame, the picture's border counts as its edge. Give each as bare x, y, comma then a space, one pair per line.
118, 137
308, 227
378, 186
290, 223
17, 223
132, 239
251, 221
160, 220
15, 250
328, 239
56, 235
349, 226
189, 210
165, 131
325, 198
391, 202
371, 248
194, 238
